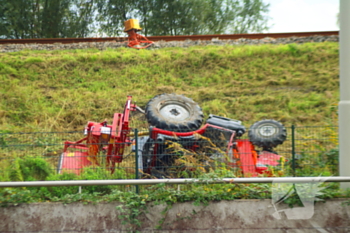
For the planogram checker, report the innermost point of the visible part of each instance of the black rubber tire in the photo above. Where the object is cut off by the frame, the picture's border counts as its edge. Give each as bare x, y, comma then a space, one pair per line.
156, 166
147, 152
174, 113
267, 133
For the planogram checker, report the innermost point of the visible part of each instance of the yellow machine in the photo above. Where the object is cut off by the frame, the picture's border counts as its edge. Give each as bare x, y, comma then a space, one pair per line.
131, 24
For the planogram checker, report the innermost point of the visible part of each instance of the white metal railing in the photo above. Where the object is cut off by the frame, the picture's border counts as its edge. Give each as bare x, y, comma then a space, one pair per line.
175, 181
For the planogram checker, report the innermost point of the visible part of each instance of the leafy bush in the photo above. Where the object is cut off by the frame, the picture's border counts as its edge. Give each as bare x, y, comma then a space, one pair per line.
59, 191
100, 173
34, 168
322, 164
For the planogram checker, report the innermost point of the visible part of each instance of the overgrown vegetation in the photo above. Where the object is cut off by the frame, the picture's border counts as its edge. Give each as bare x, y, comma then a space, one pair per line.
133, 200
133, 204
30, 168
62, 90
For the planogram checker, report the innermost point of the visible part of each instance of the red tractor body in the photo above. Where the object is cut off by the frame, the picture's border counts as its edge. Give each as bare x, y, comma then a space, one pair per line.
112, 140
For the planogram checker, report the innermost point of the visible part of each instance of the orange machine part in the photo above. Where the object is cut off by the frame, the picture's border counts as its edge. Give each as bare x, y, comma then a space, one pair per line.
135, 40
247, 157
73, 162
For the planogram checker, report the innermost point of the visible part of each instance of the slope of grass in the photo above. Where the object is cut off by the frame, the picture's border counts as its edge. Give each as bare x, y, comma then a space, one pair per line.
62, 90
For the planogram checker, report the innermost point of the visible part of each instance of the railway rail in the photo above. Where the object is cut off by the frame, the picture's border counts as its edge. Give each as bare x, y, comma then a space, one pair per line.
170, 38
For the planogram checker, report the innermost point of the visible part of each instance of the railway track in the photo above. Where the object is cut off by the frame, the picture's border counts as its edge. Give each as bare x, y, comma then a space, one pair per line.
169, 38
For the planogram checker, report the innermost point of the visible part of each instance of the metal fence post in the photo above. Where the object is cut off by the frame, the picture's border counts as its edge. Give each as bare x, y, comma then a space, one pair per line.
344, 84
136, 158
293, 149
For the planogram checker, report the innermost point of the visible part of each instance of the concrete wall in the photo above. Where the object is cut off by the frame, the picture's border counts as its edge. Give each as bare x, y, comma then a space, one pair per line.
224, 216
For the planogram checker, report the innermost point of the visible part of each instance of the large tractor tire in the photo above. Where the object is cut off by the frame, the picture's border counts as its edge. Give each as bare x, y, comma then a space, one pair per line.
174, 113
157, 165
267, 134
147, 155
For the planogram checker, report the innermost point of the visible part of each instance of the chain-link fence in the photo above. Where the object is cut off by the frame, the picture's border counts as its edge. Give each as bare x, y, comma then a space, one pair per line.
306, 151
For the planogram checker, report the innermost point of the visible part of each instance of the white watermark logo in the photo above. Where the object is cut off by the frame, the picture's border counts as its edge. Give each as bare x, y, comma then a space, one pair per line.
306, 192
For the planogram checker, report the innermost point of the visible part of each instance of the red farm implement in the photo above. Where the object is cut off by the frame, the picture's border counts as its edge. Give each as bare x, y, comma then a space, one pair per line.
179, 120
99, 137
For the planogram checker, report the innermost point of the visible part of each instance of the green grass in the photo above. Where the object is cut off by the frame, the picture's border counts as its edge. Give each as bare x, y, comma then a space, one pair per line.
62, 90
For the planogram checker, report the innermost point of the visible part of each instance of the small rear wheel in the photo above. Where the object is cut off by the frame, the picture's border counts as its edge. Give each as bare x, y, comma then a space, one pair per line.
267, 134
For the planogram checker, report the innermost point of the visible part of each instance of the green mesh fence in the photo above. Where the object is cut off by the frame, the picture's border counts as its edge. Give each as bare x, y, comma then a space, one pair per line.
307, 151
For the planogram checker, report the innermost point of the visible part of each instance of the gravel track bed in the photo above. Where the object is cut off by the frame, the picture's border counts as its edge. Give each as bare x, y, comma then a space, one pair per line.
163, 44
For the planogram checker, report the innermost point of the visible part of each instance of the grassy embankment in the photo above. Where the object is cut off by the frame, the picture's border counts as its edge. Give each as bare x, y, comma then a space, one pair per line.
62, 90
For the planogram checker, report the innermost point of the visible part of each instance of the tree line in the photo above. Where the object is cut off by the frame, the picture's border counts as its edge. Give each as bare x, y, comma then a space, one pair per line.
23, 19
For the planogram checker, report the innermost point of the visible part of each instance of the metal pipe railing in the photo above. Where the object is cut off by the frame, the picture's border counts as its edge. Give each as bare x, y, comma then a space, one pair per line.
175, 181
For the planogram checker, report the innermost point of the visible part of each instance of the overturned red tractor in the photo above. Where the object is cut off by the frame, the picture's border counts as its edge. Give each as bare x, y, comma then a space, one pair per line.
175, 120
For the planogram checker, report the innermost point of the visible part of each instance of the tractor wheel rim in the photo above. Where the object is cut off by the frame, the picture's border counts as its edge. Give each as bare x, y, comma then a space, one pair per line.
175, 112
267, 130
